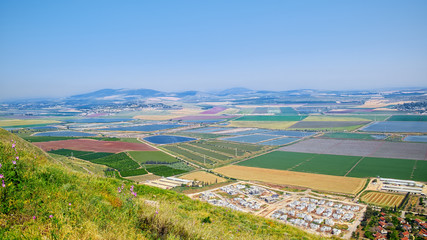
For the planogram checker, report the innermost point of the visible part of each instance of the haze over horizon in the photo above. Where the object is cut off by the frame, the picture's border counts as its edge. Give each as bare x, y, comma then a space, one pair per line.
54, 49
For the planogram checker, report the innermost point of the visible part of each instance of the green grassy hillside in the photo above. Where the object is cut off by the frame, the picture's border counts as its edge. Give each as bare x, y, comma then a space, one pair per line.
42, 199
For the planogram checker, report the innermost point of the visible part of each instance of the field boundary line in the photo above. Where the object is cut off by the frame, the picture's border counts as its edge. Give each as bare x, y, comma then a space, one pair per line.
413, 169
297, 165
133, 160
351, 169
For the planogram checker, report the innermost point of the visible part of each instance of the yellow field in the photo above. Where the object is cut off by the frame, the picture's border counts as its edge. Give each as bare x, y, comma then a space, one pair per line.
309, 180
333, 119
204, 176
383, 199
19, 122
260, 124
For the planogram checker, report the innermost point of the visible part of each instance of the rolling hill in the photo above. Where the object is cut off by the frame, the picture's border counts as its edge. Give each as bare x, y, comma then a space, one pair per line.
42, 199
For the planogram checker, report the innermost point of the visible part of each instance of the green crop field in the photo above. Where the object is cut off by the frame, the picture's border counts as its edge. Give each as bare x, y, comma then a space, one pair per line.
152, 157
333, 118
81, 154
337, 165
420, 172
384, 167
187, 154
69, 153
349, 135
408, 118
277, 160
120, 161
304, 162
164, 171
239, 146
288, 111
94, 155
272, 118
134, 172
203, 151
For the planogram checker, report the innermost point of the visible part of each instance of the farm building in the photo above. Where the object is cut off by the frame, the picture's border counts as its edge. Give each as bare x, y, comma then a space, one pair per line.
401, 182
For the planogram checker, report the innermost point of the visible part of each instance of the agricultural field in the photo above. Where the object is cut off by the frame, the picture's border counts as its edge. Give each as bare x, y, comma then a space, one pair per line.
64, 134
415, 139
85, 155
280, 141
152, 157
420, 171
133, 172
347, 185
382, 199
94, 146
204, 177
255, 138
214, 110
381, 149
397, 126
399, 118
50, 139
25, 122
328, 125
272, 118
288, 111
119, 161
167, 139
334, 118
338, 165
198, 135
361, 136
181, 152
262, 124
164, 171
304, 162
145, 128
213, 151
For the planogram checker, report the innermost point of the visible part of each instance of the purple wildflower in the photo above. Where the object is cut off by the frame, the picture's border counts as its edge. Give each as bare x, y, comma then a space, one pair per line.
2, 184
123, 186
34, 217
1, 176
13, 145
119, 189
131, 188
134, 193
17, 158
69, 204
51, 216
157, 212
14, 162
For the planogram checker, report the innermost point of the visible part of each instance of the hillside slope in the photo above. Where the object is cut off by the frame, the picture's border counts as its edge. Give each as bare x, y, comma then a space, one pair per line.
41, 199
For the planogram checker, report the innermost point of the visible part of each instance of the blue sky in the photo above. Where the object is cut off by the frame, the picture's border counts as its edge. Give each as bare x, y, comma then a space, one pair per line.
58, 48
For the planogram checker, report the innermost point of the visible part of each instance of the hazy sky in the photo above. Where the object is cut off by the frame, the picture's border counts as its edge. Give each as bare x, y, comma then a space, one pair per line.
59, 48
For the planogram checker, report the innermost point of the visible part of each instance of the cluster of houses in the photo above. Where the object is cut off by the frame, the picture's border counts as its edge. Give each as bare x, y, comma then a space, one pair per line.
407, 231
319, 215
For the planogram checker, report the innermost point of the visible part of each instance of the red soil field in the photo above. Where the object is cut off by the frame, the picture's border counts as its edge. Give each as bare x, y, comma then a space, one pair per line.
94, 146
